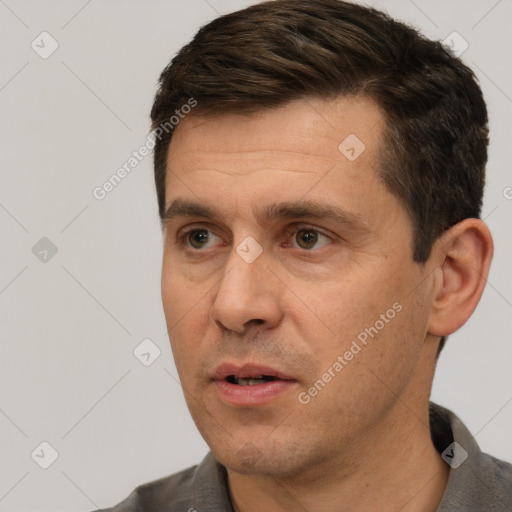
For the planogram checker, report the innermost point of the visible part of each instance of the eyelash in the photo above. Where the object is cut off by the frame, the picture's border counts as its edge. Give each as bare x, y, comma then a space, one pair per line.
182, 237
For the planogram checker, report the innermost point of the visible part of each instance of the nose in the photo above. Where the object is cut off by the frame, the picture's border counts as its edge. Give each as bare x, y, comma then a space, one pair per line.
248, 295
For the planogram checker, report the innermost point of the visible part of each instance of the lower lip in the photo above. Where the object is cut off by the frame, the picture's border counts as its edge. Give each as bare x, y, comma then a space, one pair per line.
240, 396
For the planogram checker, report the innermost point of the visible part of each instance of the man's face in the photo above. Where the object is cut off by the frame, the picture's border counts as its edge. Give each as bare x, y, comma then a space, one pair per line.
294, 267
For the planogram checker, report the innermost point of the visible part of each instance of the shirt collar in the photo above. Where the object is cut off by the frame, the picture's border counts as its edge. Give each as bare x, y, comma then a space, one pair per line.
471, 482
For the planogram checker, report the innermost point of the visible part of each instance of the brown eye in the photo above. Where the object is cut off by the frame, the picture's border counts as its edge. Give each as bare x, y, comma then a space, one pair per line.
198, 238
306, 238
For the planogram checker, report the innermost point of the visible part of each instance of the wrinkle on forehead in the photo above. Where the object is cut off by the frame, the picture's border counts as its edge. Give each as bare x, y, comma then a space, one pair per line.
247, 162
294, 138
251, 171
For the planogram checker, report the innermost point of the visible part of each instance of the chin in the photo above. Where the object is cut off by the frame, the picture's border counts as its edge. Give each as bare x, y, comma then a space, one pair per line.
268, 460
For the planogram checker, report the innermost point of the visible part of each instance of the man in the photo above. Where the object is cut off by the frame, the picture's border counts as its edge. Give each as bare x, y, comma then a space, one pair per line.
319, 171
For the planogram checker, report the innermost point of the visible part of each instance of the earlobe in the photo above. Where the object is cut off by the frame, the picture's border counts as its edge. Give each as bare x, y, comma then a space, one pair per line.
465, 252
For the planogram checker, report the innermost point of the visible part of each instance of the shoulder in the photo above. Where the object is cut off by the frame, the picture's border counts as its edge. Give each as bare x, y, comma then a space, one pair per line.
477, 481
499, 476
158, 494
200, 487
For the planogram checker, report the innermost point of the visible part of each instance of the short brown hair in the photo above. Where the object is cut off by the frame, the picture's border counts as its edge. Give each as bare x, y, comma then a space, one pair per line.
435, 139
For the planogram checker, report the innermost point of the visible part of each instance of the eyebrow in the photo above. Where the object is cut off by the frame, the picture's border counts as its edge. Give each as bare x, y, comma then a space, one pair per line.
185, 208
277, 211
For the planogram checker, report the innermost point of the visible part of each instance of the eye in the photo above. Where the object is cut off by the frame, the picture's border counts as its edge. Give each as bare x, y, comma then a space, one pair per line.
307, 238
198, 238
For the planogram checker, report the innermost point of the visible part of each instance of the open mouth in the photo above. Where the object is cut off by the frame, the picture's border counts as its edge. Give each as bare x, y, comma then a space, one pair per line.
250, 381
250, 384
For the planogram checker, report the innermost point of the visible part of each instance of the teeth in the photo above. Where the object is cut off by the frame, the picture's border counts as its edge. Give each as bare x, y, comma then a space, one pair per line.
251, 381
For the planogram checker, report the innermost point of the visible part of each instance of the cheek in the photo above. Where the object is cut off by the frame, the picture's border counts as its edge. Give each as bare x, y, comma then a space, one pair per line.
186, 313
346, 305
378, 313
179, 294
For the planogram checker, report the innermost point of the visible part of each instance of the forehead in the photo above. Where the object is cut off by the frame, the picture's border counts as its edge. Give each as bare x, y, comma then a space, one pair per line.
309, 130
309, 149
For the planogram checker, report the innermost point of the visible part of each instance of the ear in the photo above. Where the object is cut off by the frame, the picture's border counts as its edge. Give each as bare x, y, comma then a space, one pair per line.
464, 254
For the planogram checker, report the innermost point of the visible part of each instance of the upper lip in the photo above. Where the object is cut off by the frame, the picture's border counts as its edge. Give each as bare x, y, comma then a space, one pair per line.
244, 371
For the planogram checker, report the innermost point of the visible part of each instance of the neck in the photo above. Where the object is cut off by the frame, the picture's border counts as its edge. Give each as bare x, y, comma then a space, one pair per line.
392, 466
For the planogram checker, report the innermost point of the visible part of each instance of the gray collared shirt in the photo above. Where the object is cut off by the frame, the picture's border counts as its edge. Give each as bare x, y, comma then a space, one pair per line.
477, 481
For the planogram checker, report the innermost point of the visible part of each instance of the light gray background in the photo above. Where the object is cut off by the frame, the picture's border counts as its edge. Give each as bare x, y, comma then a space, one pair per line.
69, 326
